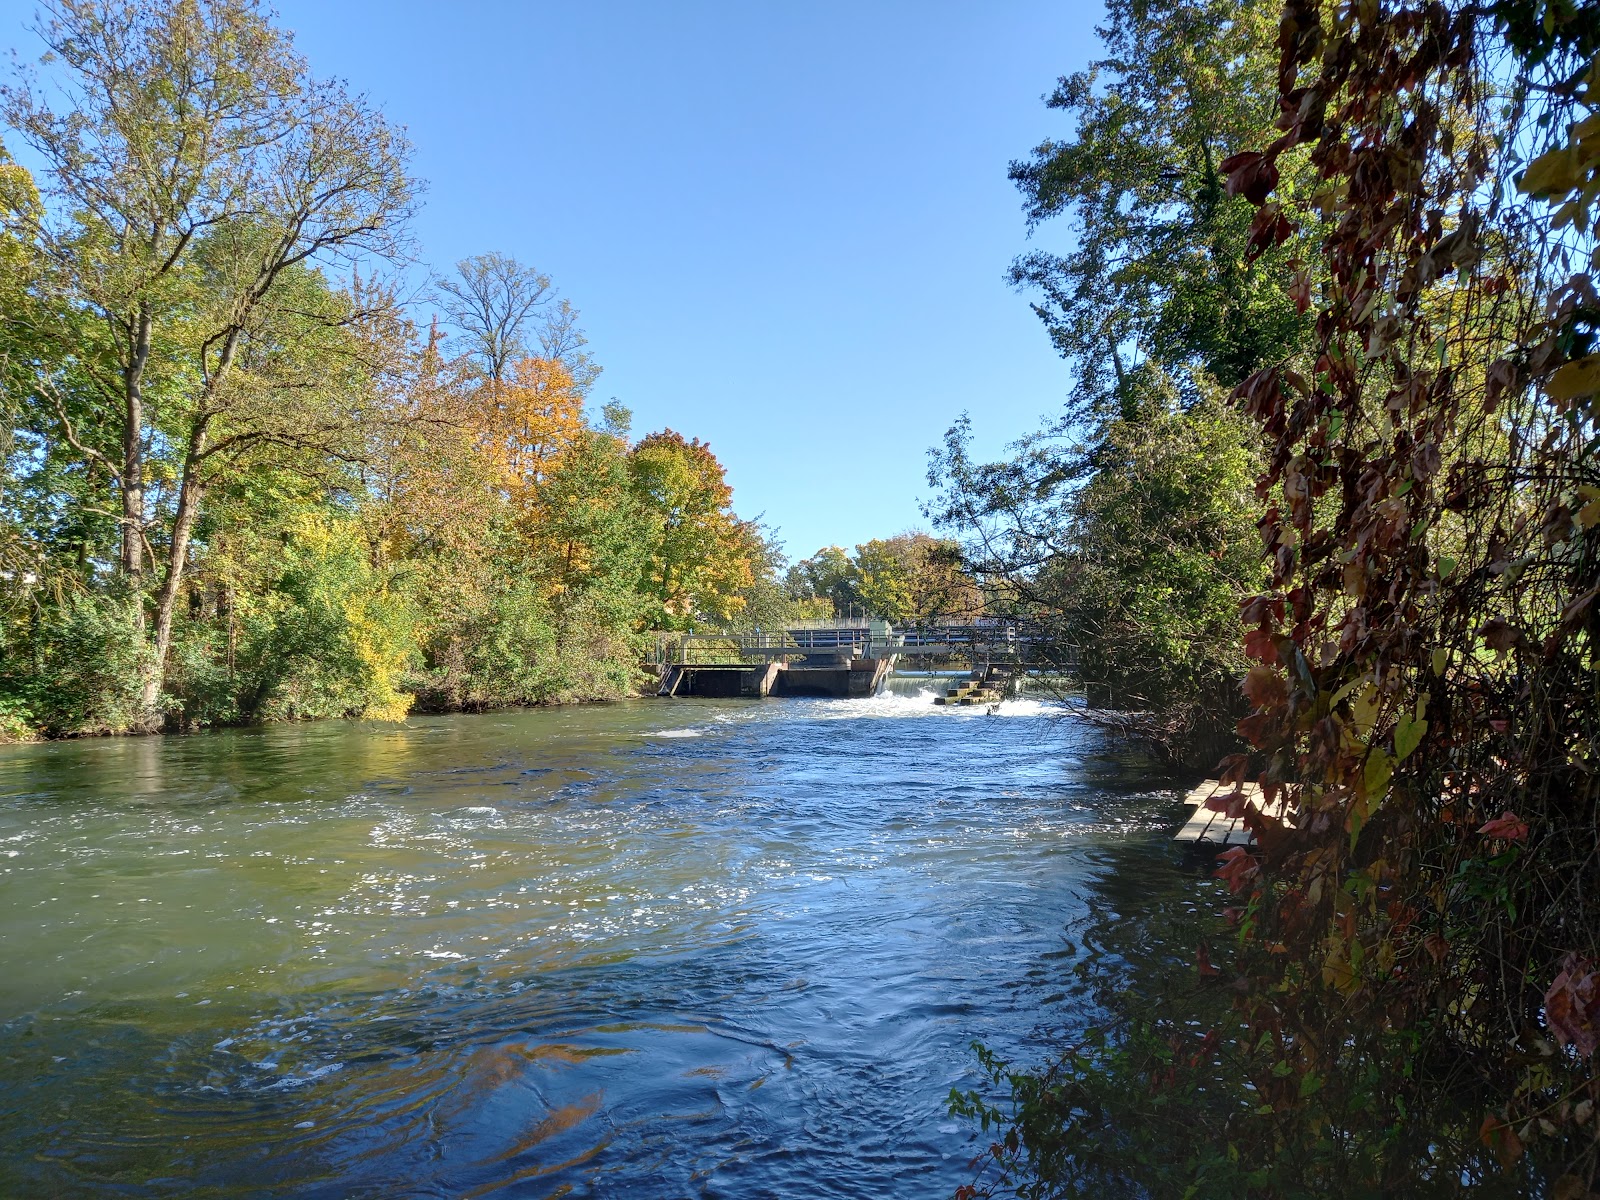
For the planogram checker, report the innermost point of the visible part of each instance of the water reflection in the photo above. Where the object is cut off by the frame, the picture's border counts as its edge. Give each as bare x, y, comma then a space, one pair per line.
657, 949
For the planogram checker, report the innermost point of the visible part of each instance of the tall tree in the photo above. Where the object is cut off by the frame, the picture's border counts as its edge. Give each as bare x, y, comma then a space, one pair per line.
912, 577
196, 177
561, 338
491, 302
1159, 305
1158, 269
828, 575
700, 552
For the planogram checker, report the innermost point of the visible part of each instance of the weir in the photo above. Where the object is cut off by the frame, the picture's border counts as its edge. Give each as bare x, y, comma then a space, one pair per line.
841, 659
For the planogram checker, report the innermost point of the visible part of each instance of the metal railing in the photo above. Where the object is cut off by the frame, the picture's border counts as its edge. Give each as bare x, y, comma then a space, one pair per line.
982, 640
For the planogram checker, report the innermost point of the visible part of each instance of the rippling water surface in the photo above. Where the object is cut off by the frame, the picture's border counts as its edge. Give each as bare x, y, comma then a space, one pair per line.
656, 949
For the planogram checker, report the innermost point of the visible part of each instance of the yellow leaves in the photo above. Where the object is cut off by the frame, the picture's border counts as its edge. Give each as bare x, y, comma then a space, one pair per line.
19, 193
1364, 709
530, 420
1588, 515
1338, 974
1567, 168
1575, 380
1555, 172
382, 654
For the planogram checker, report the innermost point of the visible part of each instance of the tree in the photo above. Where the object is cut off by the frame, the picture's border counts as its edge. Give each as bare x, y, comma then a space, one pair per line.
1402, 996
1159, 268
700, 552
561, 339
491, 303
199, 177
497, 304
529, 421
827, 575
914, 578
1161, 304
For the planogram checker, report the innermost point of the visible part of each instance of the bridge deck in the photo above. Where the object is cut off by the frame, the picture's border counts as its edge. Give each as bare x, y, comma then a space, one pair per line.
1207, 827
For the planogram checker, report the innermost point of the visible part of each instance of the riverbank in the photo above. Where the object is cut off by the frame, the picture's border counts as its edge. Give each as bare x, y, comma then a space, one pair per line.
14, 730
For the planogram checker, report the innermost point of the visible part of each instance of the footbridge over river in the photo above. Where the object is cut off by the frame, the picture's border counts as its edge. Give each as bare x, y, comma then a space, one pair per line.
846, 657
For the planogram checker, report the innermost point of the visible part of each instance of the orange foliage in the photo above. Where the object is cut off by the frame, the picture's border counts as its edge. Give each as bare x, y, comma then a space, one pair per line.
528, 421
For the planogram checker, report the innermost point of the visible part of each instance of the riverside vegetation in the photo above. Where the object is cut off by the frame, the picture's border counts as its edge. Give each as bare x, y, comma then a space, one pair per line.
239, 481
236, 488
1333, 317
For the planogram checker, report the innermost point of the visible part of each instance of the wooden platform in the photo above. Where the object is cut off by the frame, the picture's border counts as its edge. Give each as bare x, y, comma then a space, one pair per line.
1207, 828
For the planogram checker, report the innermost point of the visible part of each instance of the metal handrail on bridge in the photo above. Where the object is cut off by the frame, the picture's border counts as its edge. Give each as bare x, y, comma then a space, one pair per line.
985, 638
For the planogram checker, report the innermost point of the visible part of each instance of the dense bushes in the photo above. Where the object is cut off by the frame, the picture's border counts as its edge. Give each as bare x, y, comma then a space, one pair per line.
1401, 995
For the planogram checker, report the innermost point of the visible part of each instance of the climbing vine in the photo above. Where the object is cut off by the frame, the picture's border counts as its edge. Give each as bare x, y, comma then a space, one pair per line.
1425, 915
1402, 995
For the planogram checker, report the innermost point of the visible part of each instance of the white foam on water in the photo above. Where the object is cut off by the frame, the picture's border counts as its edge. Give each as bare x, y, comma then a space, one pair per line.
921, 704
677, 733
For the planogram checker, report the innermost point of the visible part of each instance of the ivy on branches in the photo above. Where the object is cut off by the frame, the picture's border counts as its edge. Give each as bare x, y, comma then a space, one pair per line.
1425, 916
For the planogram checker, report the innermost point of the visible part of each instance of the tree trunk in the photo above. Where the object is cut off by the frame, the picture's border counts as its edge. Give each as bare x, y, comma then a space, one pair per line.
133, 460
190, 495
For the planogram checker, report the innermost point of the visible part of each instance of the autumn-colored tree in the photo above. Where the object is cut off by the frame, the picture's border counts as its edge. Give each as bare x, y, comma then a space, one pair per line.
529, 420
234, 483
699, 551
1426, 650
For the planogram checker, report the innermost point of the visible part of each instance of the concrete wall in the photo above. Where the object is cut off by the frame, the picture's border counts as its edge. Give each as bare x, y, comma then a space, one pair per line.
855, 681
729, 682
843, 680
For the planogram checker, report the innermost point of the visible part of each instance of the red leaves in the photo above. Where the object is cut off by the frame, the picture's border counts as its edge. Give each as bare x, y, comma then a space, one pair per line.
1258, 610
1300, 290
1572, 1005
1497, 1134
1501, 377
1436, 947
1203, 958
1264, 687
1270, 228
1251, 175
1508, 827
1262, 394
1425, 460
1229, 803
1262, 645
1238, 869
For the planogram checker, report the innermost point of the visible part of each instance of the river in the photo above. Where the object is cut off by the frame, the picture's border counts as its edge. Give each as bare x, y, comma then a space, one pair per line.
655, 948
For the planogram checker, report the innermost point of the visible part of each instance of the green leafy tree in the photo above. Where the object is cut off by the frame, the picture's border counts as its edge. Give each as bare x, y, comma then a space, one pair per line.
1164, 301
913, 578
700, 554
829, 576
196, 175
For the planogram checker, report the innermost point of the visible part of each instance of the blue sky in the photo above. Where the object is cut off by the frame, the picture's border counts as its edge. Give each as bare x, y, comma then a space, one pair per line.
786, 225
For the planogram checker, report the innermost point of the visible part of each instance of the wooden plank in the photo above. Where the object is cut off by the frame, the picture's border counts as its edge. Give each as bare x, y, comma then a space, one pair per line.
1205, 827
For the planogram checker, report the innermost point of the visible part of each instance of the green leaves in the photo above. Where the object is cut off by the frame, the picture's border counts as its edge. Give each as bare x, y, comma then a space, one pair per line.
1409, 730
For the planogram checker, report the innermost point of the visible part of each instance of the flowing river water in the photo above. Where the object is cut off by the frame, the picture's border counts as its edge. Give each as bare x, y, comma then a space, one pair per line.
655, 949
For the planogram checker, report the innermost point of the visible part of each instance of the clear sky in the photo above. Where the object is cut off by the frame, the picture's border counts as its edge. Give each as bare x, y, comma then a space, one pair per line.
786, 224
